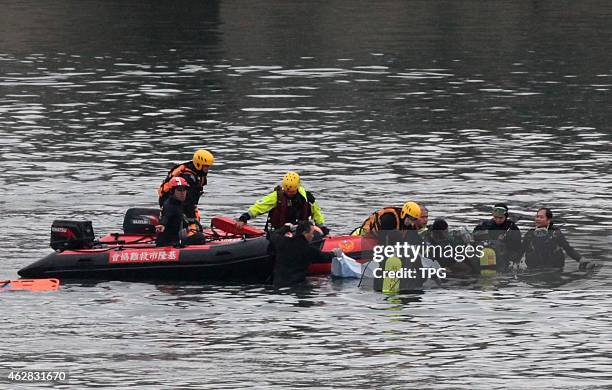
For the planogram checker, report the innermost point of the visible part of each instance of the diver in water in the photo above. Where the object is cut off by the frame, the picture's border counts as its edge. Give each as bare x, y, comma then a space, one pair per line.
546, 246
293, 254
503, 235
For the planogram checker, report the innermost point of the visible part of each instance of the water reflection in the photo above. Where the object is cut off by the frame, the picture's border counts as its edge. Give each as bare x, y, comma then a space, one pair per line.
457, 105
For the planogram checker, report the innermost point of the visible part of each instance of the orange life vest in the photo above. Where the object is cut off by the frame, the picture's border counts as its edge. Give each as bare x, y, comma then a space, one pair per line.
372, 224
194, 178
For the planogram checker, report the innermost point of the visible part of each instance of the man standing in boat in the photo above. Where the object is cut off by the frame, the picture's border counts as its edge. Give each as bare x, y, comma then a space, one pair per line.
173, 223
195, 172
289, 203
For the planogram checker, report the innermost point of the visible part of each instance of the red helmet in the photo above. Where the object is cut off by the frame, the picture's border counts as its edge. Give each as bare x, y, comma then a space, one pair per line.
178, 182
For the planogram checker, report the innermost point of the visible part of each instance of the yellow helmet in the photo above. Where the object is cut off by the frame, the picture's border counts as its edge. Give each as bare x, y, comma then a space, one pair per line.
203, 158
291, 181
411, 209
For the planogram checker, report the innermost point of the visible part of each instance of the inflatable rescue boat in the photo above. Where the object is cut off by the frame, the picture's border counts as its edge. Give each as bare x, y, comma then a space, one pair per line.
230, 253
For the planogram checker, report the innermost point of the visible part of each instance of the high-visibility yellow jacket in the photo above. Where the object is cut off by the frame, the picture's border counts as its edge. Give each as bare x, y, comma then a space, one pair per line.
277, 204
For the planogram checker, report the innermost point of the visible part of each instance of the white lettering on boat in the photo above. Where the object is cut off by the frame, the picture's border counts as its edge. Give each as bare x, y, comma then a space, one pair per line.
144, 255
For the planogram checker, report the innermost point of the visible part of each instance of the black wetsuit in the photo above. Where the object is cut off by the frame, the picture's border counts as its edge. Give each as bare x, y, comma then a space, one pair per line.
293, 256
545, 248
172, 218
440, 254
507, 234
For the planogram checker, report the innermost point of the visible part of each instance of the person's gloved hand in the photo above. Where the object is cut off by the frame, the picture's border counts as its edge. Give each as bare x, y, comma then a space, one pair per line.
324, 229
337, 252
242, 220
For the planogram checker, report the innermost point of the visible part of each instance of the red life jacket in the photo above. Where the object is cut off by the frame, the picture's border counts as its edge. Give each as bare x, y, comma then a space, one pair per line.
279, 215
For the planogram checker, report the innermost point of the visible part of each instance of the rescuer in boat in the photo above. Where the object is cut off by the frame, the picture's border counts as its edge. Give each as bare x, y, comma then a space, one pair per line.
289, 203
173, 227
501, 233
293, 254
195, 172
546, 246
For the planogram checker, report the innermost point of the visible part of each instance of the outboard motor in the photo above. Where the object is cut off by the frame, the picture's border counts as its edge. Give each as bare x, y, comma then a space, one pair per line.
141, 221
71, 235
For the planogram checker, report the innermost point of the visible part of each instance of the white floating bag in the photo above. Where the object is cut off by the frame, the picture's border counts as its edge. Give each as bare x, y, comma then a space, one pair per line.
345, 267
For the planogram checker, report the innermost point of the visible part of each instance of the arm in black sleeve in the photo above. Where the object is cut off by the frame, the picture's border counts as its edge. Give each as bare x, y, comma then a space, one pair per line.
276, 235
194, 191
571, 252
480, 226
514, 240
480, 232
164, 218
527, 241
169, 213
514, 243
310, 197
318, 257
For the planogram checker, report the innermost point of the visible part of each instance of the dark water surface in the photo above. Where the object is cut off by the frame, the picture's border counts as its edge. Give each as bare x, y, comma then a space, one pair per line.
454, 104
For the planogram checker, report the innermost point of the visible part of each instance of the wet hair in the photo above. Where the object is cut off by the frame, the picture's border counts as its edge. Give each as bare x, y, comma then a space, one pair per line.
439, 224
547, 211
303, 227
